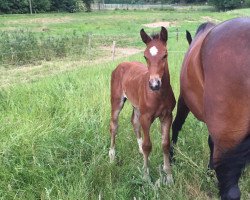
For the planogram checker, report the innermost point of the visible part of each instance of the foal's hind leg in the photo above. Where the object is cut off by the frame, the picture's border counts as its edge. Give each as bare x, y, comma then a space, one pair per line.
166, 122
117, 102
182, 113
137, 127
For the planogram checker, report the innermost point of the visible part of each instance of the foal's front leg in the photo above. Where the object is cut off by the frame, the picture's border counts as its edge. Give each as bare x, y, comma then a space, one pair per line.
145, 122
166, 122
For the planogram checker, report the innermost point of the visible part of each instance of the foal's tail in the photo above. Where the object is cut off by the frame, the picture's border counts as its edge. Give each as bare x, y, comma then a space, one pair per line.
230, 167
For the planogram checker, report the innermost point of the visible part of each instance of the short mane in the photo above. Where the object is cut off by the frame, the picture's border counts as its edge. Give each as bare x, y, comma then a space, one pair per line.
155, 36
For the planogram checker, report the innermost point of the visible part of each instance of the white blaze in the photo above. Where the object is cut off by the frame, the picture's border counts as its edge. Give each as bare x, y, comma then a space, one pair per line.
153, 51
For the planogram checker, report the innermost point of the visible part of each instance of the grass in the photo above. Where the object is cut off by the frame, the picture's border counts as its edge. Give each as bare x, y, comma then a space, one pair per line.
55, 127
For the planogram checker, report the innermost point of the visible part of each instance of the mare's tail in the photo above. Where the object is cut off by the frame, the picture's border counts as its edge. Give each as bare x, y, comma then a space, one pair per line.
229, 169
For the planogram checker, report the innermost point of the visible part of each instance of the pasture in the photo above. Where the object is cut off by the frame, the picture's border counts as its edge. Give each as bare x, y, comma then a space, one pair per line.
54, 120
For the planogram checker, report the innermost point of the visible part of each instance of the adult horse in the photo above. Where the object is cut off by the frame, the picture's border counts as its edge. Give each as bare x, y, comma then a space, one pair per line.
215, 87
149, 91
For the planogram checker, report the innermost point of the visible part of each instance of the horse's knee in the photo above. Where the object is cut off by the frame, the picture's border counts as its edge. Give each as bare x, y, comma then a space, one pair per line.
147, 147
165, 147
232, 194
113, 126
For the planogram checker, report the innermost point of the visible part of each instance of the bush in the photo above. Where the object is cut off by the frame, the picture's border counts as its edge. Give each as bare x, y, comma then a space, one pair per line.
226, 4
247, 3
24, 47
22, 6
41, 5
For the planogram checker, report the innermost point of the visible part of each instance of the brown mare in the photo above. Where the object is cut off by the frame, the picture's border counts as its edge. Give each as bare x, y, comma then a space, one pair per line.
215, 87
149, 91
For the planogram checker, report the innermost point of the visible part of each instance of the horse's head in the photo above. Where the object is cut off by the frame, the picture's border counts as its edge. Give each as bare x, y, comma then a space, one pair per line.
156, 56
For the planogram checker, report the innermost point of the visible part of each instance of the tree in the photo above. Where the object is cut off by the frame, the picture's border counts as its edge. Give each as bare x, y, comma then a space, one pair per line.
87, 4
226, 4
64, 5
41, 5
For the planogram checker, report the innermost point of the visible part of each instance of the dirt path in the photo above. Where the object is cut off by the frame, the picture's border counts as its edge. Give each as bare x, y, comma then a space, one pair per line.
30, 73
160, 24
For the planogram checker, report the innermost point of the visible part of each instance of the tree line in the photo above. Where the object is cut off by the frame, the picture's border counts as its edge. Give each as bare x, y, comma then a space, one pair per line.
38, 6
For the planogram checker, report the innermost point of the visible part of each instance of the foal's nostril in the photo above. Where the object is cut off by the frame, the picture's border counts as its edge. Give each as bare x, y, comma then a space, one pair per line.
154, 84
158, 83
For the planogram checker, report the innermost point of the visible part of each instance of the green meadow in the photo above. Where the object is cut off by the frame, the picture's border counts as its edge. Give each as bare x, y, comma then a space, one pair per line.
55, 113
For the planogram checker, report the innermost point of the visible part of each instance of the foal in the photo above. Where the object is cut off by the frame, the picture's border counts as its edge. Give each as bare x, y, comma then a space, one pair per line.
149, 91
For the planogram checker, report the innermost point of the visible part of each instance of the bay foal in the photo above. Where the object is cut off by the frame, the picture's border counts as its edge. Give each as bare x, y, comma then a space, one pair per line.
149, 91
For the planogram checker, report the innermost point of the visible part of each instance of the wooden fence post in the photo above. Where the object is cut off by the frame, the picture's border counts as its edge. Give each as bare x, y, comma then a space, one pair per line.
89, 45
113, 51
177, 34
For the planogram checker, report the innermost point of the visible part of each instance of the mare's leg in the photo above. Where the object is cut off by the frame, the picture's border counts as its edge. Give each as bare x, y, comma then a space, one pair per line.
146, 121
117, 102
211, 147
228, 179
229, 165
166, 122
137, 127
181, 115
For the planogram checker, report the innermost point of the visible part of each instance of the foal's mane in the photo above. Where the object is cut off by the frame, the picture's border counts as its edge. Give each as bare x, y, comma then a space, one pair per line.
204, 26
155, 36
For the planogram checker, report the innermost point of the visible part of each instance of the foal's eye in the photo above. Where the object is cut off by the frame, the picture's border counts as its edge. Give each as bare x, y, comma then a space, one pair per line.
145, 58
164, 57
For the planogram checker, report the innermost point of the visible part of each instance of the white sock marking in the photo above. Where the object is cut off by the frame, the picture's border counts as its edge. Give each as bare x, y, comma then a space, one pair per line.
139, 141
112, 154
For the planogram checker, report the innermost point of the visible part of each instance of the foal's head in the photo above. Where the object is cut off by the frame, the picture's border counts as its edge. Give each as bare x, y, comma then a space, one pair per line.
156, 56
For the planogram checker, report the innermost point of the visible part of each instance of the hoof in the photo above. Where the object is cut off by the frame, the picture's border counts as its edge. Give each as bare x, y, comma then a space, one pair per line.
168, 179
146, 176
232, 194
112, 155
165, 178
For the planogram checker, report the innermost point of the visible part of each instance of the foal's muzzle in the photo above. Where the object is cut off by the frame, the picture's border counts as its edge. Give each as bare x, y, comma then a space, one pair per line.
155, 84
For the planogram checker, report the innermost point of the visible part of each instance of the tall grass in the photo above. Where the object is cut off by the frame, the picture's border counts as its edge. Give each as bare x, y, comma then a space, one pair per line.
25, 47
55, 141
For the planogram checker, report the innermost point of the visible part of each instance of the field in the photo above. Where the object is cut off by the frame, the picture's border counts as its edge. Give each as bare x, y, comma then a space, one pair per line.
54, 120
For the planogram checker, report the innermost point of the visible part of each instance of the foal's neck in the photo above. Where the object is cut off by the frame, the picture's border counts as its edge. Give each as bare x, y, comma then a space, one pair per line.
166, 77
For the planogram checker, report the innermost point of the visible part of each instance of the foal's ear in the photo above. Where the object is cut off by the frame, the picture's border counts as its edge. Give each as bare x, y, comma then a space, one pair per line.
189, 37
164, 34
144, 36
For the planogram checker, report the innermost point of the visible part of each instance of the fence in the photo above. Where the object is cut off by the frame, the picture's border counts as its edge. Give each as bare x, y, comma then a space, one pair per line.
141, 6
27, 49
101, 6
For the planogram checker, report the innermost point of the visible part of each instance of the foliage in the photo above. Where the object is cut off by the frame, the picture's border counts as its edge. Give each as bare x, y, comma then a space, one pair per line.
13, 6
64, 5
22, 6
23, 47
247, 3
41, 5
226, 4
87, 4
